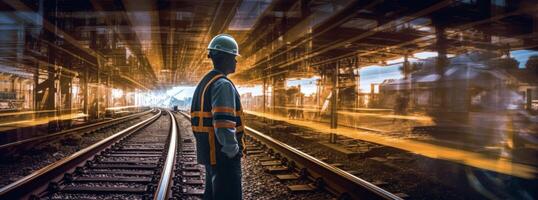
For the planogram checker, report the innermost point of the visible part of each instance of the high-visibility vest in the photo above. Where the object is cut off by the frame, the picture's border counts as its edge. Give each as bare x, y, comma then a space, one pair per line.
208, 148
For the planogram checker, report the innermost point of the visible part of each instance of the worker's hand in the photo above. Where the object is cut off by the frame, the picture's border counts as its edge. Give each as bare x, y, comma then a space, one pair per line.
230, 150
231, 155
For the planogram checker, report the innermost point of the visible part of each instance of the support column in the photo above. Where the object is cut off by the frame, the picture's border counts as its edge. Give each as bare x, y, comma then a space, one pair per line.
97, 96
406, 66
408, 82
98, 90
334, 105
51, 85
58, 94
264, 89
49, 97
358, 86
442, 62
34, 91
65, 96
273, 95
529, 99
109, 92
85, 90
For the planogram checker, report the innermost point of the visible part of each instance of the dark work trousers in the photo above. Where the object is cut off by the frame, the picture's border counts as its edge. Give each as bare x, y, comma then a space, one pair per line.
223, 181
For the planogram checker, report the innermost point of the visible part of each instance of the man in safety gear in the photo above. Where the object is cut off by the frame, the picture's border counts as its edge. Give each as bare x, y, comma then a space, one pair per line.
217, 122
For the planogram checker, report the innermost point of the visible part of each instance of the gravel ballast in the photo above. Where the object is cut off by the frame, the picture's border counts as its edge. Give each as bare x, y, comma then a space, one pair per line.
15, 166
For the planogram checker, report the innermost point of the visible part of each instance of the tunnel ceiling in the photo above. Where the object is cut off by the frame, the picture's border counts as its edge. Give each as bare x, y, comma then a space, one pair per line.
161, 43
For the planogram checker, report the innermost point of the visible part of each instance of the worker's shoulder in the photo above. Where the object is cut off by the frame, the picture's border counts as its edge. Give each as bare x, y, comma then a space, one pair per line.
223, 82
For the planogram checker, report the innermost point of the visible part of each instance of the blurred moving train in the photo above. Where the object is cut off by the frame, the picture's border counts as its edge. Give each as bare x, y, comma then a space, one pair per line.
477, 93
472, 82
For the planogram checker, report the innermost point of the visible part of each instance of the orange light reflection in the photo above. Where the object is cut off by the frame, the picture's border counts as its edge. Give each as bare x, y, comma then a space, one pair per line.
469, 158
38, 121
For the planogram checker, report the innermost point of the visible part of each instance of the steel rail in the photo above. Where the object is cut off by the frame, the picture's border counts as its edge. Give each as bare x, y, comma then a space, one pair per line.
73, 130
339, 181
342, 182
163, 189
38, 180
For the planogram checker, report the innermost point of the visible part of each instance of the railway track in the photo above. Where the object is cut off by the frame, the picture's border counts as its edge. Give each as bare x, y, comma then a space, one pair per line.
189, 175
135, 163
25, 143
154, 160
296, 164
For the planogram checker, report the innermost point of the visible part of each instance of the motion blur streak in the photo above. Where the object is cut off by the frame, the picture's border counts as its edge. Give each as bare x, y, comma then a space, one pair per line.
422, 148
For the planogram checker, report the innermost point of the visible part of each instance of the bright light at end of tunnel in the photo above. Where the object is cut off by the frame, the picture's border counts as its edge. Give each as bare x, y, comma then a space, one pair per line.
117, 93
181, 92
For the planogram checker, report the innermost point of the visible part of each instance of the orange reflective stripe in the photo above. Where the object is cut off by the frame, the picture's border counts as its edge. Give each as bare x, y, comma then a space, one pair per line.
208, 129
201, 114
242, 127
219, 124
203, 93
212, 153
233, 113
224, 124
211, 132
202, 129
223, 109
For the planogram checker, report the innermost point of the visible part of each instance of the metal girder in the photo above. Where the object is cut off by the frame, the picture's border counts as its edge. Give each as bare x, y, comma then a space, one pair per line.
133, 43
20, 6
379, 28
391, 47
430, 38
221, 23
335, 20
260, 29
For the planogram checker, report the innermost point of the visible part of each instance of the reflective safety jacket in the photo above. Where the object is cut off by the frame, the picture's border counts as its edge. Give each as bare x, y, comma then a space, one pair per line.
206, 118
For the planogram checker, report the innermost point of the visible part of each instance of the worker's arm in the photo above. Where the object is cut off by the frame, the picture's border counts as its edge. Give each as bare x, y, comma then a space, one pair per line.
223, 103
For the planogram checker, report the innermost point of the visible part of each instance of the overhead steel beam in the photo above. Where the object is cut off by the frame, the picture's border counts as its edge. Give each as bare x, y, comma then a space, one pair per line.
364, 35
336, 19
224, 25
20, 6
148, 19
379, 28
431, 37
252, 39
132, 46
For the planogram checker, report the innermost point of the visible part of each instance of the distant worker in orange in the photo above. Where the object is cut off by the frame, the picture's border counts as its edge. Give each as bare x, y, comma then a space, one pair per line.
217, 122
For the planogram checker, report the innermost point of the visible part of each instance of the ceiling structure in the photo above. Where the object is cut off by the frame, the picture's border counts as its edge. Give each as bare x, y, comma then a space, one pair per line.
156, 44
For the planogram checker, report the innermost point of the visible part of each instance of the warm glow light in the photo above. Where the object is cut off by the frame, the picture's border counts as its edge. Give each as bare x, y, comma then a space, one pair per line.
38, 121
419, 147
